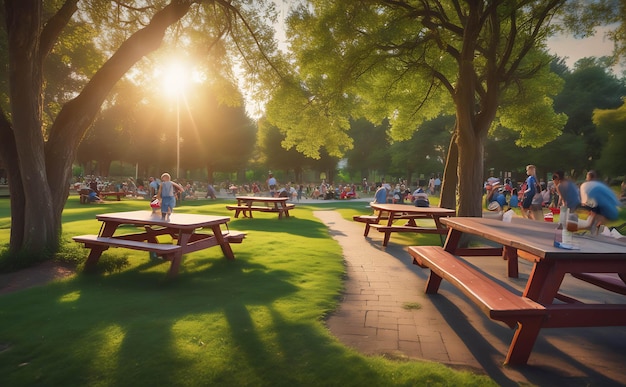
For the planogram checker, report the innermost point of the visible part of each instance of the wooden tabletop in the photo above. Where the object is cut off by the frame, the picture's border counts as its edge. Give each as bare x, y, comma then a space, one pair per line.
537, 238
412, 209
178, 220
262, 198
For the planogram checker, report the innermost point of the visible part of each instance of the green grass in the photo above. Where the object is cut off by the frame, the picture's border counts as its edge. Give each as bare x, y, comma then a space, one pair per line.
257, 320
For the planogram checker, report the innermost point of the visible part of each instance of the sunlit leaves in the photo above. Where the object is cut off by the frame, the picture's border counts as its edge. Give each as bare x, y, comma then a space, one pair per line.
612, 126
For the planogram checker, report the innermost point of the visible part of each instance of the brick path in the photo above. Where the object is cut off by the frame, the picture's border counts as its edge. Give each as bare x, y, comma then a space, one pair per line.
384, 311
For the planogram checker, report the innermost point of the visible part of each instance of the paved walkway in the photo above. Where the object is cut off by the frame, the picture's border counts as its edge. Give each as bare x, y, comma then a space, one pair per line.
384, 311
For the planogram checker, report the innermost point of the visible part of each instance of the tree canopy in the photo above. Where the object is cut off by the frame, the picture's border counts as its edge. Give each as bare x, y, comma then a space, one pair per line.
409, 62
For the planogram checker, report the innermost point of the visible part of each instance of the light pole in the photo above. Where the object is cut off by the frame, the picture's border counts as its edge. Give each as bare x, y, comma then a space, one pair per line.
178, 135
175, 77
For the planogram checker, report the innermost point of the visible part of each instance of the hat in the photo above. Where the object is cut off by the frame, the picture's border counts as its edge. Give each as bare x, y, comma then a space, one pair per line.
493, 206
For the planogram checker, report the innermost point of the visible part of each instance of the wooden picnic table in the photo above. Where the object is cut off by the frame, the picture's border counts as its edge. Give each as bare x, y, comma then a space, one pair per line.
119, 195
387, 214
192, 232
541, 305
246, 205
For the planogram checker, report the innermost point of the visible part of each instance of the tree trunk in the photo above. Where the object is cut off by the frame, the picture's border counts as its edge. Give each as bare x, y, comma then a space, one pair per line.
210, 170
450, 177
39, 229
8, 154
40, 172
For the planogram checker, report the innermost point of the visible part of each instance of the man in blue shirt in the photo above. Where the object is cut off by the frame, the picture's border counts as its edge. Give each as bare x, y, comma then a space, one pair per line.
381, 195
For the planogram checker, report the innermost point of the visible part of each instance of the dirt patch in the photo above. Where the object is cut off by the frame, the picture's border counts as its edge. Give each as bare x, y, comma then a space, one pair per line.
37, 275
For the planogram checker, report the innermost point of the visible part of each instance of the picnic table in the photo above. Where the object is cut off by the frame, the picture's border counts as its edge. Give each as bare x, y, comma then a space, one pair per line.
192, 232
119, 195
246, 205
387, 214
599, 261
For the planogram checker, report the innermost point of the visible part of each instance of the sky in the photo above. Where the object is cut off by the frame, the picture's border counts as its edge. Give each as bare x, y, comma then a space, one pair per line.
574, 49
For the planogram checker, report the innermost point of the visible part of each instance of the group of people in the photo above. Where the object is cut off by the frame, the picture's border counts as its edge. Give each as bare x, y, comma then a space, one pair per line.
594, 196
401, 194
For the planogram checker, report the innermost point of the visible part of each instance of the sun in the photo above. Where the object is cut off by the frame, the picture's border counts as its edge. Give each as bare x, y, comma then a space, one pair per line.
175, 77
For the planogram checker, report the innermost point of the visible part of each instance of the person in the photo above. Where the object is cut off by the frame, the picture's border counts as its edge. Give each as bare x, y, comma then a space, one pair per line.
167, 195
380, 196
300, 190
591, 175
188, 193
93, 196
93, 185
600, 201
420, 198
316, 193
431, 185
396, 194
531, 210
272, 184
567, 190
154, 186
497, 195
387, 186
514, 200
210, 192
323, 190
437, 184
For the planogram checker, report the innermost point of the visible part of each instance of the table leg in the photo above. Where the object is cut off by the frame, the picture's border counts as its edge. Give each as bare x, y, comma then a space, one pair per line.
93, 258
226, 249
452, 241
524, 340
510, 255
544, 282
96, 251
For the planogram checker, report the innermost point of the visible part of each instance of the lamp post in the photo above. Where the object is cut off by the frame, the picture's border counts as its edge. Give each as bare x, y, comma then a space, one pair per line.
174, 83
178, 135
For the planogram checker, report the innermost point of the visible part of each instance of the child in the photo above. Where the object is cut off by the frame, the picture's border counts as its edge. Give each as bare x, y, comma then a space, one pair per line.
167, 195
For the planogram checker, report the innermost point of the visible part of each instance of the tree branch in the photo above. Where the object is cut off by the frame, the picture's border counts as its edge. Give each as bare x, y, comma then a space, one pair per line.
54, 26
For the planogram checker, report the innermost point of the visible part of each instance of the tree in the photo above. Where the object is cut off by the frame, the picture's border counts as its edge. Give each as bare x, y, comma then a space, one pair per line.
41, 157
425, 152
412, 61
588, 87
611, 124
277, 158
371, 150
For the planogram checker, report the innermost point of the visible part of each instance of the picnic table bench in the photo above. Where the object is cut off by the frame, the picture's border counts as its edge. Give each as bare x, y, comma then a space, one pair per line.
598, 261
395, 212
497, 302
245, 206
167, 251
189, 231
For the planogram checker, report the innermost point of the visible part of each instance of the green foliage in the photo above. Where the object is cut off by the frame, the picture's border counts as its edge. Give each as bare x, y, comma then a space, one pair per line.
611, 125
529, 110
371, 150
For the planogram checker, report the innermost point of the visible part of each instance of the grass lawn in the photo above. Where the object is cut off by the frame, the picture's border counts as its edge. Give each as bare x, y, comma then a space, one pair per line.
257, 320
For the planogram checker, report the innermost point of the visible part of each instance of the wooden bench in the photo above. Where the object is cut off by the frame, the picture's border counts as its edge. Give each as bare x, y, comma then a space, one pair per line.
368, 220
247, 210
234, 236
497, 302
168, 251
416, 229
609, 281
